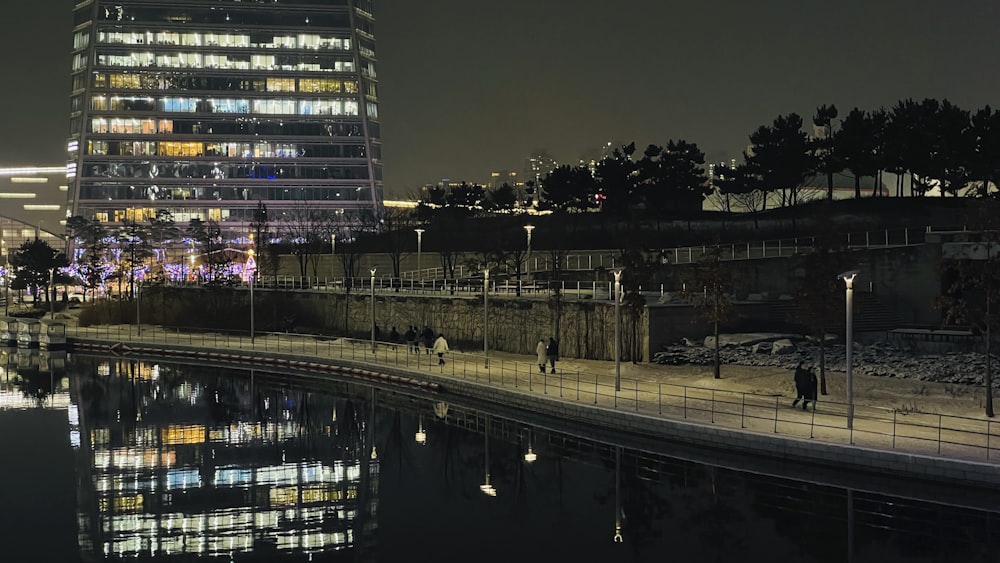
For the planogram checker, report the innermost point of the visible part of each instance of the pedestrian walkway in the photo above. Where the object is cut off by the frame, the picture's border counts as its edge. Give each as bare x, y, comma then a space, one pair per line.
747, 399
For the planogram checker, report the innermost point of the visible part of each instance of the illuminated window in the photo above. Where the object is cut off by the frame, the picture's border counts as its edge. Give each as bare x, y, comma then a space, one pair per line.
280, 84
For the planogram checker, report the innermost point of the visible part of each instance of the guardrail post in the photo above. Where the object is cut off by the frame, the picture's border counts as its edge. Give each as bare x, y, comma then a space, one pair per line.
775, 415
595, 389
989, 429
743, 410
939, 434
659, 397
894, 429
712, 416
636, 395
685, 401
545, 383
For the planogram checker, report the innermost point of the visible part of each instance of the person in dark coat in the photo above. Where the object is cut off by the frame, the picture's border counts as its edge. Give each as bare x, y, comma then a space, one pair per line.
394, 336
552, 352
427, 335
411, 339
801, 385
812, 388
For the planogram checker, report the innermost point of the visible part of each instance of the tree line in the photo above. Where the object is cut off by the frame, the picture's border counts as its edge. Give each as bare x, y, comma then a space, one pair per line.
928, 144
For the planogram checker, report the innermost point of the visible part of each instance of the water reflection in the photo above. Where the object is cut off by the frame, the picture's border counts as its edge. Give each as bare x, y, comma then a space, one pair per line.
33, 378
175, 462
211, 466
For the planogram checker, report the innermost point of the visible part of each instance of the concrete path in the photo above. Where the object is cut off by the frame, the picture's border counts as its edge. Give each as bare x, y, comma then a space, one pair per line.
743, 399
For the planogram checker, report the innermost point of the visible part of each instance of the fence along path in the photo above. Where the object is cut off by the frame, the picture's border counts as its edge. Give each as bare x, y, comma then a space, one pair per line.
941, 435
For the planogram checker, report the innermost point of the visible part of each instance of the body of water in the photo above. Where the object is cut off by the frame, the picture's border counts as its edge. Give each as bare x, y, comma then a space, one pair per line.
106, 459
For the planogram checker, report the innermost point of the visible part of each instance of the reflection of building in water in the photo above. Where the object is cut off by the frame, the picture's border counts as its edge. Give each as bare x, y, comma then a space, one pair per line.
32, 378
180, 465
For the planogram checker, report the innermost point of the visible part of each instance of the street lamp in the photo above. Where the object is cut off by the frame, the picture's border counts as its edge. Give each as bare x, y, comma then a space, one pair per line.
52, 284
138, 300
420, 238
487, 489
618, 329
530, 456
6, 290
486, 306
848, 278
618, 495
333, 253
251, 269
527, 264
421, 436
373, 310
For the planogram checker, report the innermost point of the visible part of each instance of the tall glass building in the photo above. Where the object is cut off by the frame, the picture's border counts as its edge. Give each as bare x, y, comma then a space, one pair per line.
207, 108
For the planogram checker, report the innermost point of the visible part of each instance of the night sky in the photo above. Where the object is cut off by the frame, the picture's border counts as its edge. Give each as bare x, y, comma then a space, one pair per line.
469, 87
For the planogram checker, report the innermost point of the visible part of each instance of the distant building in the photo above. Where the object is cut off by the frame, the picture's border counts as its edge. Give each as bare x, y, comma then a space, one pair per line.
539, 164
32, 205
206, 108
502, 177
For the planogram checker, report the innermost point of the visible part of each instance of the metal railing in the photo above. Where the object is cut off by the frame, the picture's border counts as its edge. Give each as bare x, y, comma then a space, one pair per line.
874, 427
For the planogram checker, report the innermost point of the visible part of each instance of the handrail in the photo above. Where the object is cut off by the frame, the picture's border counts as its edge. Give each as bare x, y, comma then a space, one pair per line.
940, 435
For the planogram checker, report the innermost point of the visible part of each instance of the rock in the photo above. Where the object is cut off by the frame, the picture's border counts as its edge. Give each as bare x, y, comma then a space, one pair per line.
783, 346
689, 343
762, 348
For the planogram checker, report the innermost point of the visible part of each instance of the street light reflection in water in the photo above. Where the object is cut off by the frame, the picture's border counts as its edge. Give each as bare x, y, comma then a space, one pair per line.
173, 461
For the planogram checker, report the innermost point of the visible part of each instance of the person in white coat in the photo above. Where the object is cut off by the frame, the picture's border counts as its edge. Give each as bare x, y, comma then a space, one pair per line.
542, 354
440, 347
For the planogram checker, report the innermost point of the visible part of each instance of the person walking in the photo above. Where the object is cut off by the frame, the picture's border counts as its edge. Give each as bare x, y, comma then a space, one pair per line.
812, 388
440, 347
428, 337
411, 339
552, 353
801, 386
542, 351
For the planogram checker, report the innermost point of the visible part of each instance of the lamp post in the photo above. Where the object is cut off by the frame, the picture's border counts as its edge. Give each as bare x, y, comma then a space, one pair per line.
420, 238
52, 288
527, 264
373, 310
487, 489
530, 456
138, 299
421, 436
486, 307
848, 278
252, 269
618, 495
333, 253
618, 329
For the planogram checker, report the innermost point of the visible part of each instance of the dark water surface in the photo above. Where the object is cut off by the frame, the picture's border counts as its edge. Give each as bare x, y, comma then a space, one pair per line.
107, 459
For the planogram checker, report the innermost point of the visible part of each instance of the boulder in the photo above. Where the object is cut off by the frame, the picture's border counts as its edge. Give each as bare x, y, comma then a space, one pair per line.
762, 348
783, 346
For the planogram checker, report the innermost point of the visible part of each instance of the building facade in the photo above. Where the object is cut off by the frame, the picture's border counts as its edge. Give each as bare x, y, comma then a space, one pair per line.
32, 205
205, 109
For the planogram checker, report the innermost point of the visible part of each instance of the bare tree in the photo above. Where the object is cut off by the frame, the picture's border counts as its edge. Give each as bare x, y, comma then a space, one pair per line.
973, 295
820, 295
710, 290
303, 228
